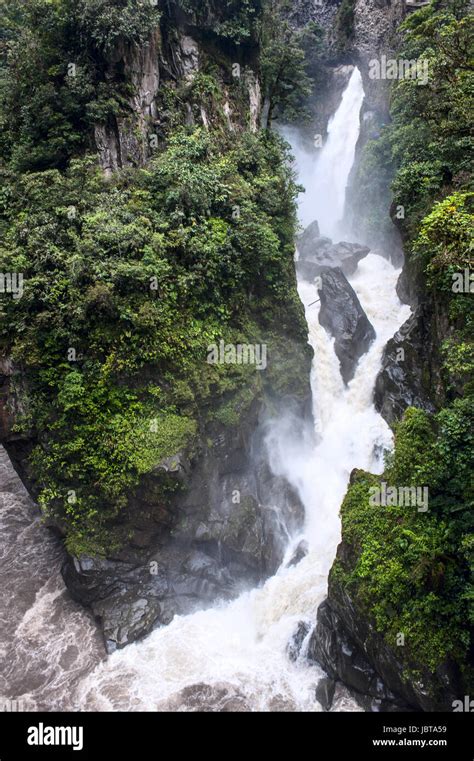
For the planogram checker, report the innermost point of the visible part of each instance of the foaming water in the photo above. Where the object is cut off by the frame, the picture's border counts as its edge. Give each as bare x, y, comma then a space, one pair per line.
234, 656
326, 178
48, 642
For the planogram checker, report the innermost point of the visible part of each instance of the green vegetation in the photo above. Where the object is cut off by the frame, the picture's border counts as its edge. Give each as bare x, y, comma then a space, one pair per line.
129, 279
413, 572
52, 77
345, 20
235, 20
428, 142
410, 570
284, 61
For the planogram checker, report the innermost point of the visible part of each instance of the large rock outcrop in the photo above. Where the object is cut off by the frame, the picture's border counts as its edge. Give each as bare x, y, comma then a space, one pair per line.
342, 316
176, 52
225, 529
336, 650
375, 33
317, 252
203, 525
212, 519
405, 380
355, 35
346, 644
413, 372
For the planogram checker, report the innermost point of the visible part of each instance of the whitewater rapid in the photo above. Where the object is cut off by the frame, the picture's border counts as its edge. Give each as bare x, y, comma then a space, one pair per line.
234, 656
48, 643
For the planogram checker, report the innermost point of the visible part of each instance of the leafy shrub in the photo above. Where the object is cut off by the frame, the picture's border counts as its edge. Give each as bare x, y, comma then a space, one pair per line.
140, 353
412, 571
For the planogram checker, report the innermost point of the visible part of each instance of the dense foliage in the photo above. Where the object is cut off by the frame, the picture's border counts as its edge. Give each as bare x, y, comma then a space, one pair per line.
53, 74
429, 140
287, 52
345, 21
412, 571
129, 279
236, 20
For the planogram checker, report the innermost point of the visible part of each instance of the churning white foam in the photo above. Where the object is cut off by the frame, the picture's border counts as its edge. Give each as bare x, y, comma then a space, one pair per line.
234, 656
325, 172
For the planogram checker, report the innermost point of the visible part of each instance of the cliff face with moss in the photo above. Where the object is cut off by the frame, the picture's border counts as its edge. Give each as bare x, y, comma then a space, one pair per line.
149, 221
150, 218
397, 624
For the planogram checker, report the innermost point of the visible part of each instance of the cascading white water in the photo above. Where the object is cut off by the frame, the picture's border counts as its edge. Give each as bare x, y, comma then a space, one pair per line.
326, 178
234, 656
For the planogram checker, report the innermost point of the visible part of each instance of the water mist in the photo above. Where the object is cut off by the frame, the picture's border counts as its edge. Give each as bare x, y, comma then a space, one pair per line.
235, 654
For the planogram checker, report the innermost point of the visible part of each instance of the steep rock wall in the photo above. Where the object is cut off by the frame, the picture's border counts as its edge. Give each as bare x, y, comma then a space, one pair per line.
213, 518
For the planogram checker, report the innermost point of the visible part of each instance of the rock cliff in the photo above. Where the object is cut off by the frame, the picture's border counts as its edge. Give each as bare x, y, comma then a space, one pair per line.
212, 518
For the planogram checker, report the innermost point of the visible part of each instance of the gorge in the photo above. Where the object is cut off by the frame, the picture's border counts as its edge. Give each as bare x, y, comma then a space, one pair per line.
193, 508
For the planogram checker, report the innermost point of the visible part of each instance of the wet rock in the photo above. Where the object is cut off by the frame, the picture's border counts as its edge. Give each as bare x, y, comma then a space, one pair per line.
405, 379
348, 255
298, 555
342, 316
348, 647
340, 656
306, 242
317, 251
127, 623
296, 642
325, 692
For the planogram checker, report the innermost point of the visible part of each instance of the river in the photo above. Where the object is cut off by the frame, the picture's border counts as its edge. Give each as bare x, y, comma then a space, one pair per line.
233, 656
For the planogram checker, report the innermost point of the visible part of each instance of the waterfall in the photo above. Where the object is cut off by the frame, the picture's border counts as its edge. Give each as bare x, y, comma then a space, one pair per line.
234, 655
326, 178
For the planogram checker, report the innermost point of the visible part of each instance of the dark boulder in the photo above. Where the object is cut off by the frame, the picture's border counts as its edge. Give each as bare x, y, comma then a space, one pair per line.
342, 316
296, 643
332, 646
318, 251
308, 239
346, 256
325, 692
300, 552
405, 379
